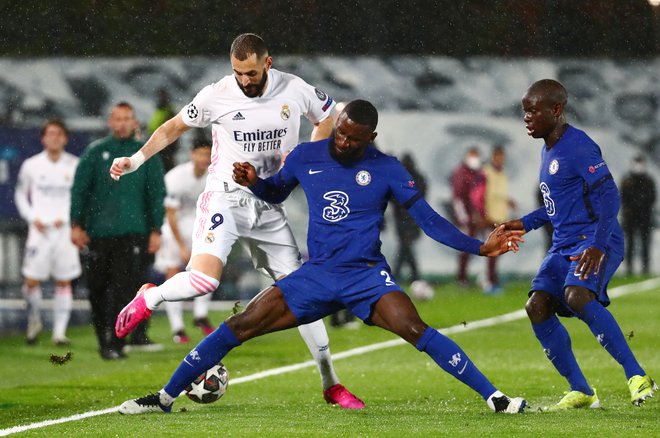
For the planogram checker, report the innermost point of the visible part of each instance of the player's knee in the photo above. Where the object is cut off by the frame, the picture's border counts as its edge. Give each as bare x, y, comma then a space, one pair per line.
538, 307
245, 326
30, 282
411, 331
577, 297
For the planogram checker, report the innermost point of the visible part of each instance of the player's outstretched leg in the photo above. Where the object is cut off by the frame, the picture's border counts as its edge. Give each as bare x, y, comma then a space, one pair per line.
316, 338
608, 333
182, 286
395, 312
207, 353
451, 358
265, 313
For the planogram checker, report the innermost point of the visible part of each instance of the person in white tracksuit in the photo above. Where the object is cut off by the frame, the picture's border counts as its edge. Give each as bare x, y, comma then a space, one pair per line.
43, 197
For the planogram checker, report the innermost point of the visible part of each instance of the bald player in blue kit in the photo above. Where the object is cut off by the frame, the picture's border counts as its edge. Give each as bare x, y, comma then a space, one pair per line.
581, 201
347, 182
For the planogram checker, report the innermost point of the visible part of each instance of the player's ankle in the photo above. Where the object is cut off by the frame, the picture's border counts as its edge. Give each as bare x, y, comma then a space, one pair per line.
165, 398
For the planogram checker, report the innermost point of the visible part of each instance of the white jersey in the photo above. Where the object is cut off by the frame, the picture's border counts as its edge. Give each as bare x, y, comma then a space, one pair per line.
258, 130
183, 189
43, 190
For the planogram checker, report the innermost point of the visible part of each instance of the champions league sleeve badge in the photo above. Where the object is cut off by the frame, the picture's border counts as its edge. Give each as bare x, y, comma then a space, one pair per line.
320, 94
192, 111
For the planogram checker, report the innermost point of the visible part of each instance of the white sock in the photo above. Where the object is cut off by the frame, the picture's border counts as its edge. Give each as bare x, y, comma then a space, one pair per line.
33, 296
489, 400
165, 398
316, 338
63, 302
201, 306
174, 311
182, 286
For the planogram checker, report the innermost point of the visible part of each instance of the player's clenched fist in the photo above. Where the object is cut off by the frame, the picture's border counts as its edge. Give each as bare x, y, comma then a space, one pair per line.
125, 165
245, 174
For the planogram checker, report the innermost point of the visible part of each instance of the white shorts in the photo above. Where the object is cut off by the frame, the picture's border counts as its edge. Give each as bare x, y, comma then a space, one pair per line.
225, 217
51, 254
169, 253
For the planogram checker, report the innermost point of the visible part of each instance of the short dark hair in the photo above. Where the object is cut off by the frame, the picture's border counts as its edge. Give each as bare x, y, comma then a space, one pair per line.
246, 44
201, 143
54, 122
362, 112
124, 104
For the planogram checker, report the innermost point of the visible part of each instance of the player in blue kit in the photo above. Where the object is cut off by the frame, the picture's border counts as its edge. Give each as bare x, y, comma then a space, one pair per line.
347, 182
582, 201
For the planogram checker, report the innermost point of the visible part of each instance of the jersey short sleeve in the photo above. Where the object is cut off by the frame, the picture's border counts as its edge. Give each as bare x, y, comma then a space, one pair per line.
318, 104
199, 113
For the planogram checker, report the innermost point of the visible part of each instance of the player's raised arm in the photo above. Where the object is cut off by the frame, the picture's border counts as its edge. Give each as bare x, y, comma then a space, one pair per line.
165, 135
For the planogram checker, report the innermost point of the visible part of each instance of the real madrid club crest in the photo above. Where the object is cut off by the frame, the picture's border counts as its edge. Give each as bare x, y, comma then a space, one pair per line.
285, 113
363, 178
553, 167
210, 237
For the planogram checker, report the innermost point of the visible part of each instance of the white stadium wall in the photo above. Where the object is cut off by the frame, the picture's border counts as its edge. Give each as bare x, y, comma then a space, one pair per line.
432, 107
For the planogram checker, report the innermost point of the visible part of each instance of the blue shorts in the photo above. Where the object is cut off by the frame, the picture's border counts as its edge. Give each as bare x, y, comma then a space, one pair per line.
557, 272
313, 292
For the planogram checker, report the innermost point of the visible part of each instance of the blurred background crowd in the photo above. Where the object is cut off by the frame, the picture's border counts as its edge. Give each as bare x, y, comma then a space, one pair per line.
447, 77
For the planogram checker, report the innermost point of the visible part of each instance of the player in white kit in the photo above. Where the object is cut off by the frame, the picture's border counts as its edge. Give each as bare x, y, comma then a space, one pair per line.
255, 114
184, 184
43, 198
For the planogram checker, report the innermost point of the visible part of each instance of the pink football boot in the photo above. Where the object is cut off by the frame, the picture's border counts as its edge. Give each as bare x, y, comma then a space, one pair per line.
341, 396
134, 313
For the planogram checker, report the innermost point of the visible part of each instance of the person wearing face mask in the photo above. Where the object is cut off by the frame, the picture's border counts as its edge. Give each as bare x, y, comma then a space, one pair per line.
468, 186
638, 194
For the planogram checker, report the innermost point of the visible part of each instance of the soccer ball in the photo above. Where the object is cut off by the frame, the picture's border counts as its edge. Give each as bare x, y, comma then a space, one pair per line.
209, 386
422, 290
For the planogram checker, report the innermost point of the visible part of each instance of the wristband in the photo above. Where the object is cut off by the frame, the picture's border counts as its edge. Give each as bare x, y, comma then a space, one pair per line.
137, 159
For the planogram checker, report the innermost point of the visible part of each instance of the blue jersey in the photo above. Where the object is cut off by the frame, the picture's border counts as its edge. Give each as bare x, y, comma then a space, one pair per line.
581, 199
347, 203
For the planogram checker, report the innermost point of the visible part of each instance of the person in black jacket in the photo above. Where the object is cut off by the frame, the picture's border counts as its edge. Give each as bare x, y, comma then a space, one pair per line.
638, 194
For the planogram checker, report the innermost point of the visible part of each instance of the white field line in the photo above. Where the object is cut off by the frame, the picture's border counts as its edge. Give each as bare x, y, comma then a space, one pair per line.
617, 292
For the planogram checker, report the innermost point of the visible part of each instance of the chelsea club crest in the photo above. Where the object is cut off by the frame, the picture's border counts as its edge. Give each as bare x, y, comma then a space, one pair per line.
553, 167
363, 178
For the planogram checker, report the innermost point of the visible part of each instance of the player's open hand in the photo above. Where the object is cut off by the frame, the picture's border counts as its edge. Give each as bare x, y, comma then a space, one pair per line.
119, 167
589, 261
245, 174
501, 240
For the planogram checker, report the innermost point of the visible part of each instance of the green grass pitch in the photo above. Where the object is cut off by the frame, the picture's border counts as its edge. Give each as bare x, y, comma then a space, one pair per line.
405, 392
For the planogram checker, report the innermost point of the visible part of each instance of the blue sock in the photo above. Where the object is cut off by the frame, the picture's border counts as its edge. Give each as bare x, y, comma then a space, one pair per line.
206, 354
453, 360
557, 347
608, 333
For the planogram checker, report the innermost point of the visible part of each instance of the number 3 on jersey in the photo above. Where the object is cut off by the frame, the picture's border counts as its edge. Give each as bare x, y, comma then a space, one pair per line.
547, 200
338, 208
